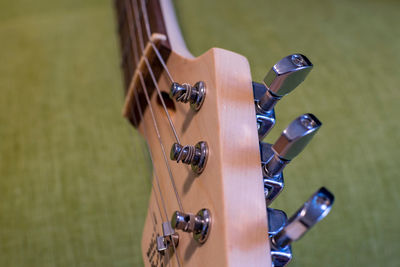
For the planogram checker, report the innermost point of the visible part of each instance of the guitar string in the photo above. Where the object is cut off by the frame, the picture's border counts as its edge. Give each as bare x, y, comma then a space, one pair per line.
137, 27
147, 24
141, 43
130, 20
154, 192
143, 153
155, 175
156, 128
151, 157
141, 114
162, 146
134, 48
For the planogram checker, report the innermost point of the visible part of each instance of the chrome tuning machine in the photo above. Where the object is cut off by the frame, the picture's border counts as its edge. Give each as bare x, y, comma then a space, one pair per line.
275, 157
283, 78
199, 224
185, 92
196, 155
283, 232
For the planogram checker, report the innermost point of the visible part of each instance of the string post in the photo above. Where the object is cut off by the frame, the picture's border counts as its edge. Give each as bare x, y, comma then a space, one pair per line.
199, 224
196, 155
184, 93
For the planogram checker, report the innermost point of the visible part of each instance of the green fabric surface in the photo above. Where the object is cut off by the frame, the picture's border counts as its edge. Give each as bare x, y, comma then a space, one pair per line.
73, 176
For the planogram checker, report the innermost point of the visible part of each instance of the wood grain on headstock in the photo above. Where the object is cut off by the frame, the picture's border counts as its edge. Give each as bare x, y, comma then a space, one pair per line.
231, 185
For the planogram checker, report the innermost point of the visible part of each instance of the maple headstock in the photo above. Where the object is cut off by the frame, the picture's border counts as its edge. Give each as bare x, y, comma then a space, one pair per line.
201, 121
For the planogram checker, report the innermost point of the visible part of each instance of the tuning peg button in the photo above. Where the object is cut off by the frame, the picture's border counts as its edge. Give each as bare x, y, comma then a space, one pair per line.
275, 157
282, 78
291, 142
283, 232
315, 209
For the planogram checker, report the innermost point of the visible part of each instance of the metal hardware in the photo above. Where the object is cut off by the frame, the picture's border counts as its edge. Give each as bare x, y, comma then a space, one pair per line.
199, 224
196, 155
315, 209
186, 93
283, 232
165, 242
272, 185
291, 142
281, 257
265, 120
275, 157
277, 219
282, 78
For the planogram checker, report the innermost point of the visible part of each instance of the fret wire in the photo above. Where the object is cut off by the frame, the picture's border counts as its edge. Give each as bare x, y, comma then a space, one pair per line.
151, 157
139, 30
147, 25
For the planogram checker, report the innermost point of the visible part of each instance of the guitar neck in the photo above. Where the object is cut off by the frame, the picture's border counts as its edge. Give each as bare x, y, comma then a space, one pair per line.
138, 22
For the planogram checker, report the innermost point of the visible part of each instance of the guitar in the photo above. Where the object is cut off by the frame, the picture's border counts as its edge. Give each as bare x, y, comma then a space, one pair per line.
204, 120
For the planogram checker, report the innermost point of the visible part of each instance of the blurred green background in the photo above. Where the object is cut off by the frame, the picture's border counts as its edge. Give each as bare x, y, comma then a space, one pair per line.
73, 178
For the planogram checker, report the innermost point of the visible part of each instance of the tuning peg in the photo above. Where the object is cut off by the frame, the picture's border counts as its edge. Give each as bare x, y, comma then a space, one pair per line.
283, 232
291, 142
195, 155
315, 209
277, 219
199, 224
282, 78
184, 93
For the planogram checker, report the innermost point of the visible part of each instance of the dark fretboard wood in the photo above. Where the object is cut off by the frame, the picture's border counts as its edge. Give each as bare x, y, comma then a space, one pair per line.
133, 39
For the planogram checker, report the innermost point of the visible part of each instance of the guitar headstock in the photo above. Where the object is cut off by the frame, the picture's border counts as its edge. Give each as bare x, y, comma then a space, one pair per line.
203, 120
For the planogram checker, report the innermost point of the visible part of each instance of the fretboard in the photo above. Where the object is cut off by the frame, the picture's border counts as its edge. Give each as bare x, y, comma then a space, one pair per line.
138, 21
